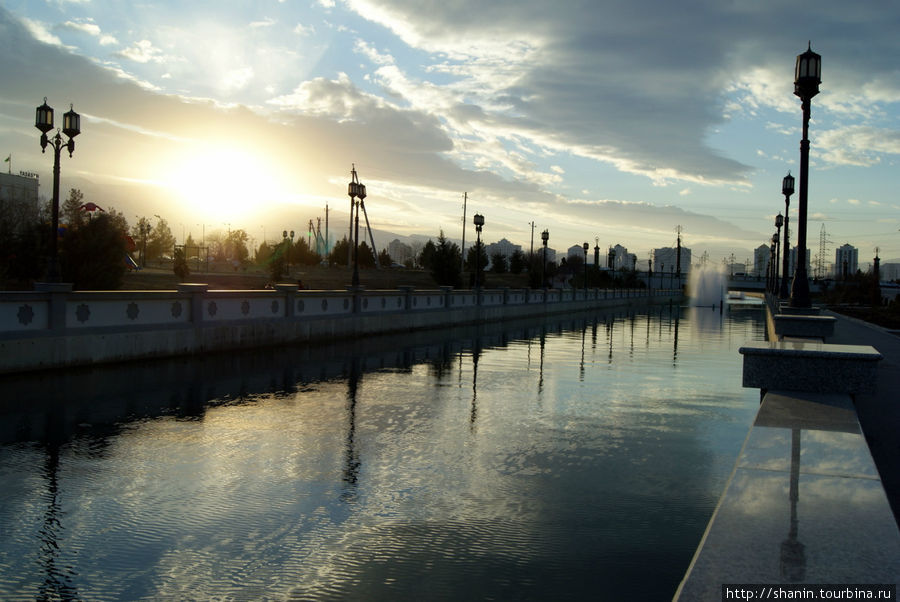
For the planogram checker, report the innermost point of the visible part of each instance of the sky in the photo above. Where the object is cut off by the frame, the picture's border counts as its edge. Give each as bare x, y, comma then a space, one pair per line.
607, 121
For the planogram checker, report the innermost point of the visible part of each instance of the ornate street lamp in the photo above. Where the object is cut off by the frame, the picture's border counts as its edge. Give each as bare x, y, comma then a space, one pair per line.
807, 77
585, 246
787, 189
43, 120
545, 236
479, 222
355, 190
779, 221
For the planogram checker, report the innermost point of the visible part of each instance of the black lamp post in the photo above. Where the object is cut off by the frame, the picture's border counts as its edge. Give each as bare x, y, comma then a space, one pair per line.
787, 189
585, 246
43, 120
479, 222
774, 259
355, 190
779, 221
807, 77
545, 236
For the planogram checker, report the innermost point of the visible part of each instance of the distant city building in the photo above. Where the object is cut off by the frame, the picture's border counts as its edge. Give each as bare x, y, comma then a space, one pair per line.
664, 260
502, 246
761, 258
19, 198
889, 271
399, 251
619, 258
846, 261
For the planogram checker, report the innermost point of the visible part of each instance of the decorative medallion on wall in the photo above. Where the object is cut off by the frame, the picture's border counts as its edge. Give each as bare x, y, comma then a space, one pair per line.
83, 313
132, 311
274, 307
300, 306
212, 308
245, 307
26, 314
176, 309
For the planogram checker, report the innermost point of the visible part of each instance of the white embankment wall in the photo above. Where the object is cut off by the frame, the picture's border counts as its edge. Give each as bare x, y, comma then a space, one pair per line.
56, 327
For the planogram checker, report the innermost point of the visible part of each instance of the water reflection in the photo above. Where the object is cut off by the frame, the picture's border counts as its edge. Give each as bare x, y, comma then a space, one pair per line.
366, 470
351, 462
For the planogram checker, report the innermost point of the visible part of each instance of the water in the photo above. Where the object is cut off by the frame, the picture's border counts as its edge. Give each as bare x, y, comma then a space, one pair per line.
554, 460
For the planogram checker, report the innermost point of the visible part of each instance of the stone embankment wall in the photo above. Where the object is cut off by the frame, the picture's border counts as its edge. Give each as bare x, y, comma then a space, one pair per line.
55, 327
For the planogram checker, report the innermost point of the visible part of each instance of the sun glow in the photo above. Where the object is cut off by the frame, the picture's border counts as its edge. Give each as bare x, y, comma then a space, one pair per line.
227, 183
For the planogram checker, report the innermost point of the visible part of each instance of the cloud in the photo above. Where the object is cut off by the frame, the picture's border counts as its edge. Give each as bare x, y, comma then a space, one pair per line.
142, 51
857, 145
88, 27
40, 32
266, 22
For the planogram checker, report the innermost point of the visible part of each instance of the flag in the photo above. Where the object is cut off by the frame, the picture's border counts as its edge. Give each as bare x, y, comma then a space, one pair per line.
6, 160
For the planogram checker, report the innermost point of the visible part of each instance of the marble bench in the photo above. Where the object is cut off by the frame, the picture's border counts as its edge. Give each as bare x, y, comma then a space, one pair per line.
804, 326
812, 366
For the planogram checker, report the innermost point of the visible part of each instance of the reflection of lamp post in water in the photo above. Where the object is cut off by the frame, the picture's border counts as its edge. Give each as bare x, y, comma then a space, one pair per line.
351, 457
793, 558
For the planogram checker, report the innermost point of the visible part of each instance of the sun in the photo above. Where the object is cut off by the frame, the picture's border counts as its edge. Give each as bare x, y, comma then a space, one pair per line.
230, 184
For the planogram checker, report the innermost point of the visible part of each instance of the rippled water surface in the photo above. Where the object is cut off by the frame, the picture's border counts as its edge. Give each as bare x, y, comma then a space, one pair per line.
519, 461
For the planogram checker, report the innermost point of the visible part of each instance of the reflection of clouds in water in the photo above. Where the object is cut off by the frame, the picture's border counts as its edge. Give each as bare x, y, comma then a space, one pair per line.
247, 497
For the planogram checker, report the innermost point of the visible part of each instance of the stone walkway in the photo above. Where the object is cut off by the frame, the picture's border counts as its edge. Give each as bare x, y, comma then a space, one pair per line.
879, 413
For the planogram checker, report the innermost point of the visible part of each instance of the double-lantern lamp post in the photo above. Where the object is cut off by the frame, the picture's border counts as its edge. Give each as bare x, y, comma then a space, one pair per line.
284, 236
545, 236
807, 77
43, 120
355, 190
585, 246
787, 189
478, 220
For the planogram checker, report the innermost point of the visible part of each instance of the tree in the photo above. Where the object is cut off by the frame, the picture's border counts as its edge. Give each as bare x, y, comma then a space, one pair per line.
445, 267
140, 232
70, 212
180, 265
366, 256
263, 253
517, 262
384, 258
236, 245
498, 263
338, 255
426, 257
92, 256
478, 251
160, 241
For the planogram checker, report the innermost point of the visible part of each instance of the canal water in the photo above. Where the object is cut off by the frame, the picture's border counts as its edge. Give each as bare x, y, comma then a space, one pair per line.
550, 459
